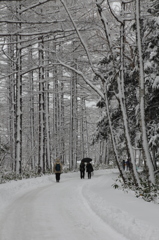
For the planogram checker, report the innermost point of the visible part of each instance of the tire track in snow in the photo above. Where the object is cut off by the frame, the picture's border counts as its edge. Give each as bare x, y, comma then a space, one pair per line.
57, 211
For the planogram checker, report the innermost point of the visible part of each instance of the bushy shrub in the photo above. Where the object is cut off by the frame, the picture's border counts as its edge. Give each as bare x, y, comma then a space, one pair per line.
148, 192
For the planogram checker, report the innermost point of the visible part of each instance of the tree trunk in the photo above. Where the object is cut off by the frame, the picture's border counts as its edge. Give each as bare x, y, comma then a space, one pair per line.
142, 97
12, 106
32, 121
47, 114
82, 128
62, 122
41, 160
18, 100
71, 123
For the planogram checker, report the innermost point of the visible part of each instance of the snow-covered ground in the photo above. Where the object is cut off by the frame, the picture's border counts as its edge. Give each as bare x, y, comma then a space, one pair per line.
75, 209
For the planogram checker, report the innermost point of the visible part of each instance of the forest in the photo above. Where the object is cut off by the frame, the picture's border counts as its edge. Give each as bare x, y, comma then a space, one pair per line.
78, 79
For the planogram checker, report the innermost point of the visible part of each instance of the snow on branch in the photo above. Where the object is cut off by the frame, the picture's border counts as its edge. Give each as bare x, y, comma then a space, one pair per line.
156, 83
97, 90
83, 43
34, 5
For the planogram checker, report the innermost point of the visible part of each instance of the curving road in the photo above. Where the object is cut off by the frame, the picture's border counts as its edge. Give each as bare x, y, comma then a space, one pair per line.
57, 211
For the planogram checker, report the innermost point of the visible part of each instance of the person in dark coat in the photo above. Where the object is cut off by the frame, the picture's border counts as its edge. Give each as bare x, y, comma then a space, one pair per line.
128, 163
57, 169
123, 163
82, 169
89, 169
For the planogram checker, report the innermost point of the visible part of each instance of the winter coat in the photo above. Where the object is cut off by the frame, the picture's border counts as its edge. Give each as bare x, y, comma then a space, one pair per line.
54, 167
82, 167
89, 167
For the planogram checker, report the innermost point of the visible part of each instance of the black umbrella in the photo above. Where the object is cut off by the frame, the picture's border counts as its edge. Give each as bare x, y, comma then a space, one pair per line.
86, 160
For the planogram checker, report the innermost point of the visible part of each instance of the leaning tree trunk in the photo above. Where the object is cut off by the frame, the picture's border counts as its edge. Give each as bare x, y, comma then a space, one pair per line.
122, 101
99, 75
112, 137
120, 82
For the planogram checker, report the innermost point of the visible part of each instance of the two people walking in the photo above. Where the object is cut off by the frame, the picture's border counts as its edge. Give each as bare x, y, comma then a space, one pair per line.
88, 167
126, 164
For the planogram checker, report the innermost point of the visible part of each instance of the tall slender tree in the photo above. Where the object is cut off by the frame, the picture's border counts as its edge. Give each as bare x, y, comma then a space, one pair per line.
142, 95
18, 158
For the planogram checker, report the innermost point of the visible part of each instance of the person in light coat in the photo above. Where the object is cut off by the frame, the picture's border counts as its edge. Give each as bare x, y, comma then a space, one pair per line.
57, 169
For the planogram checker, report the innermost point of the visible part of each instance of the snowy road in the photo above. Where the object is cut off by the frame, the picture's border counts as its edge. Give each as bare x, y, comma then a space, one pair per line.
75, 209
56, 211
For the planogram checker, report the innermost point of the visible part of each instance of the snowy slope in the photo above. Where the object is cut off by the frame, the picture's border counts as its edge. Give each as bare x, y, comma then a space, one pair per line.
74, 209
